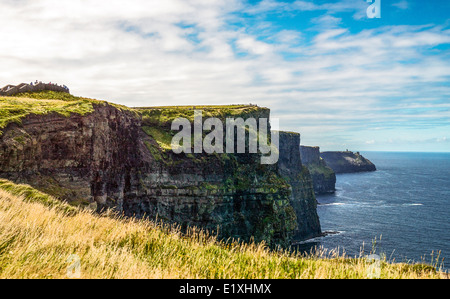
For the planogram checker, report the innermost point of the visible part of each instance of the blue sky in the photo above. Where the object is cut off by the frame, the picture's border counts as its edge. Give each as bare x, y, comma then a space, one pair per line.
324, 68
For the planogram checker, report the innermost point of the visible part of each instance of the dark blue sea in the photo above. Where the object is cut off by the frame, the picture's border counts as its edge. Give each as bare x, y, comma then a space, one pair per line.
406, 203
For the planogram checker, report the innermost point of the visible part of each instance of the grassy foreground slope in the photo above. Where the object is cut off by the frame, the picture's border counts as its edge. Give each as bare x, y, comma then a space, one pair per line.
37, 236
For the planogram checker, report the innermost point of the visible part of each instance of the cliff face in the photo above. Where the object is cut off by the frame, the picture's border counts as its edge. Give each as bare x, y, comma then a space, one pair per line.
347, 162
76, 158
324, 178
117, 158
302, 197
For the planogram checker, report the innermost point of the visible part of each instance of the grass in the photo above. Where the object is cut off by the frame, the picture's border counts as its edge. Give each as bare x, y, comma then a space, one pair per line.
321, 168
37, 239
162, 137
164, 116
14, 109
29, 194
157, 121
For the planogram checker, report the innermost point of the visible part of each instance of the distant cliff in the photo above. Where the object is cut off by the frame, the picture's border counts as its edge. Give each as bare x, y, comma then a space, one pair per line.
347, 162
303, 199
93, 152
324, 178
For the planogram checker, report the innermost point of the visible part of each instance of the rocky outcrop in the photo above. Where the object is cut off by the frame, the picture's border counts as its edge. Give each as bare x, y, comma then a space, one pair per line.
302, 191
347, 162
10, 90
114, 158
324, 178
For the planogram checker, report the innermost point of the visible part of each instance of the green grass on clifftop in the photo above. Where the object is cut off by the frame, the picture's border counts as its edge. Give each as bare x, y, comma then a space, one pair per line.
14, 109
165, 115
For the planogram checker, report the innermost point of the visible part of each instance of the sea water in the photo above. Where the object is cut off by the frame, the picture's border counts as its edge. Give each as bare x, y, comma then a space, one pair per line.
402, 211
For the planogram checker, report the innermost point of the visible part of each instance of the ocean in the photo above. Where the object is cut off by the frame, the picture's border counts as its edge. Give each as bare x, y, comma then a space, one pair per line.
404, 206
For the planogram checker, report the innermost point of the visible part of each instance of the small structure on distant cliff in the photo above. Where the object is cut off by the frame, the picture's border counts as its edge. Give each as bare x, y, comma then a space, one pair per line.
347, 162
10, 90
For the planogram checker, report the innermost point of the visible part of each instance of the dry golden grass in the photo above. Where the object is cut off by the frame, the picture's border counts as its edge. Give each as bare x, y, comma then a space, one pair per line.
36, 242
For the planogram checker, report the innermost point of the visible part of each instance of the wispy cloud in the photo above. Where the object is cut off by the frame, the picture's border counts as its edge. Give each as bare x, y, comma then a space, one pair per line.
358, 8
403, 4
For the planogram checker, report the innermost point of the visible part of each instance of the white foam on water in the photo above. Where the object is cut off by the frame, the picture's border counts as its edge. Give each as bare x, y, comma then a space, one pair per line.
317, 239
332, 204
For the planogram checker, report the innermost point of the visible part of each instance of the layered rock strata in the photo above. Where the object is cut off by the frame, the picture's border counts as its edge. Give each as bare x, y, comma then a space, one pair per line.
303, 199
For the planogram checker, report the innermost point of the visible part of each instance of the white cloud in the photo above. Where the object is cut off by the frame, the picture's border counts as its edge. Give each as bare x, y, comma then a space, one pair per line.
401, 4
326, 21
358, 8
306, 6
253, 46
265, 6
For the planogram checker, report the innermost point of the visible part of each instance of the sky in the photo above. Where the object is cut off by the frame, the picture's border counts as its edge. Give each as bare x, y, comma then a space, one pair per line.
324, 68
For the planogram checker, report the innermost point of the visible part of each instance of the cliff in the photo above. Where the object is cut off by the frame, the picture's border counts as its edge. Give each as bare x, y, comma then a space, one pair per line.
92, 152
302, 190
347, 162
324, 178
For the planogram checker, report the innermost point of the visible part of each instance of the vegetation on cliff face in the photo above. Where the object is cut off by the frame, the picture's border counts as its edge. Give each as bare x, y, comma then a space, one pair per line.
316, 169
37, 238
156, 121
323, 176
162, 137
